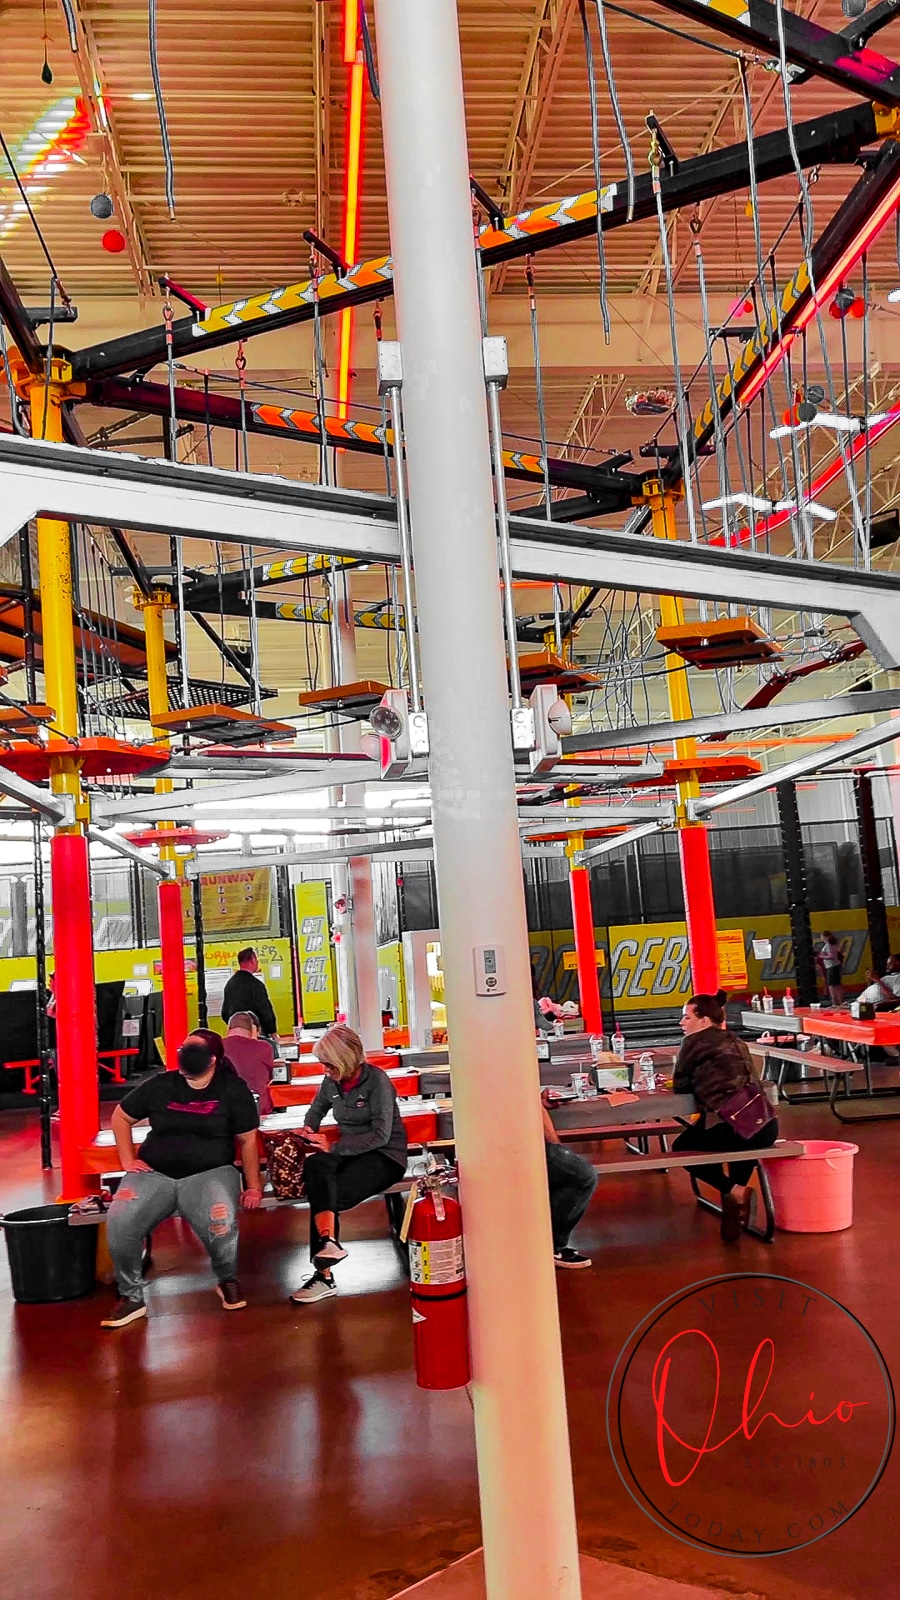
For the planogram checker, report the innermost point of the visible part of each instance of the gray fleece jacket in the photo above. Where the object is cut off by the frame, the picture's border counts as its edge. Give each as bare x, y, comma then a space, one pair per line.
368, 1117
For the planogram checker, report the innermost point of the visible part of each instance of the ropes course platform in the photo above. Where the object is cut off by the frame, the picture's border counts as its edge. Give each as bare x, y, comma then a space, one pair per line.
95, 758
217, 721
724, 642
351, 699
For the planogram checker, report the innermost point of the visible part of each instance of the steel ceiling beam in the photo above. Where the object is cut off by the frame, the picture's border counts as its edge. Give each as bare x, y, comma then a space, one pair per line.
393, 851
121, 847
847, 750
165, 497
806, 44
837, 137
605, 488
181, 802
603, 847
724, 724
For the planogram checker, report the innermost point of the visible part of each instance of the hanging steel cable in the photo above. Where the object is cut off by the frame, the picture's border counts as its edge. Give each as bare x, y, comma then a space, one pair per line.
538, 382
680, 406
595, 156
616, 108
152, 25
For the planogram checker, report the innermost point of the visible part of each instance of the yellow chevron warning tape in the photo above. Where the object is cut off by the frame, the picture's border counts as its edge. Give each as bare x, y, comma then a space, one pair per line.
559, 214
306, 424
755, 349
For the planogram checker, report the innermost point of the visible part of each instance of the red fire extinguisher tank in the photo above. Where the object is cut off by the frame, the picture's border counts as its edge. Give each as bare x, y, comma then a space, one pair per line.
438, 1289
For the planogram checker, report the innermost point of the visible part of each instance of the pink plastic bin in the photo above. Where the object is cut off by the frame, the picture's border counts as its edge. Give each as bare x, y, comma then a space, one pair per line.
813, 1193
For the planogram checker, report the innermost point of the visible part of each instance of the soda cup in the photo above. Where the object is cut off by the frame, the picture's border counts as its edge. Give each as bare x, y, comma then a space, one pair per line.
581, 1083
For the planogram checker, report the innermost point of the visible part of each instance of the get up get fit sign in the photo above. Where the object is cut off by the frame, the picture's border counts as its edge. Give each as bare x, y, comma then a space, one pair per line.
750, 1414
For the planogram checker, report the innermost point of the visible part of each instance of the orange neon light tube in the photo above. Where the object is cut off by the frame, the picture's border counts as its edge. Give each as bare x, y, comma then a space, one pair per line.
351, 221
351, 31
830, 283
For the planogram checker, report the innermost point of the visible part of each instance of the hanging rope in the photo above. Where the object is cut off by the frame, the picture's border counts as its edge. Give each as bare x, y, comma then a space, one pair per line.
538, 382
168, 319
616, 108
655, 158
161, 108
595, 154
867, 447
320, 369
718, 435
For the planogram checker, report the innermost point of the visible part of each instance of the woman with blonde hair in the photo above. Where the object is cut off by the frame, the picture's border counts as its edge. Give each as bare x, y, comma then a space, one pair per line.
368, 1158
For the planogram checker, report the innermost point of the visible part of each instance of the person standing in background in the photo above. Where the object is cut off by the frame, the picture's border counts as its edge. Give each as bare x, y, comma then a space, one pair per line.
244, 991
251, 1057
831, 960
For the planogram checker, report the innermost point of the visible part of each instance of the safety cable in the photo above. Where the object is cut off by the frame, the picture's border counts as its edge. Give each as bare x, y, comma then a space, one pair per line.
538, 382
48, 361
369, 53
655, 159
616, 108
663, 27
320, 369
595, 157
34, 221
867, 446
718, 438
161, 107
207, 422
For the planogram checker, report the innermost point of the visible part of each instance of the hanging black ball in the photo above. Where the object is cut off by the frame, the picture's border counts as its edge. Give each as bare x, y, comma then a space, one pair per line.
102, 207
815, 392
853, 8
806, 411
46, 72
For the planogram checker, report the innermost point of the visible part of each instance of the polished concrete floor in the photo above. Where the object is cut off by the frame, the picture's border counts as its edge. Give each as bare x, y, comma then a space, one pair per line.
287, 1452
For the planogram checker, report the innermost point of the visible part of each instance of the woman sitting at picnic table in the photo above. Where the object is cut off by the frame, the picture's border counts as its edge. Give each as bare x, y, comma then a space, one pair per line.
713, 1065
369, 1157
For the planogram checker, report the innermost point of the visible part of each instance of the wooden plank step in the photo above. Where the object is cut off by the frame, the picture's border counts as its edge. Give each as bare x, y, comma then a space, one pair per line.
725, 642
226, 723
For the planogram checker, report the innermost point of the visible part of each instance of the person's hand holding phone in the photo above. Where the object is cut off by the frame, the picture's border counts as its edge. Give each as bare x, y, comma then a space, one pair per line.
316, 1141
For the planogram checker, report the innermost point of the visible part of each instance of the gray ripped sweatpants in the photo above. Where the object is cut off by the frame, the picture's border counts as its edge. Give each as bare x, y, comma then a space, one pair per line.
208, 1202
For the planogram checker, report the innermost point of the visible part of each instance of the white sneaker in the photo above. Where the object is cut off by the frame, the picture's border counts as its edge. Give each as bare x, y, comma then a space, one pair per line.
330, 1252
315, 1288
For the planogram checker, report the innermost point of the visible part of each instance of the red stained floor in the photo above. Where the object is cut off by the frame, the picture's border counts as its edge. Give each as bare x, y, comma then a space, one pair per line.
280, 1452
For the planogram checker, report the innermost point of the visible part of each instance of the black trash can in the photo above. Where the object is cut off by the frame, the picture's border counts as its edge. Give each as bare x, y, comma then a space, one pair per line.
49, 1260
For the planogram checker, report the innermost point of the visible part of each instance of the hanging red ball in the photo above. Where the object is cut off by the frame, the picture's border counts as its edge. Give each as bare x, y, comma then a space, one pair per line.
858, 308
834, 310
113, 241
748, 308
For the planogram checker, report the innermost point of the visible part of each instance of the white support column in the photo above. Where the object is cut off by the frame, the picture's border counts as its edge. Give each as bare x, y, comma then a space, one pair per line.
525, 1475
360, 942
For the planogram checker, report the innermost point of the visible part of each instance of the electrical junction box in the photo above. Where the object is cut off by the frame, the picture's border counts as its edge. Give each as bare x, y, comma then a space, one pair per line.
490, 969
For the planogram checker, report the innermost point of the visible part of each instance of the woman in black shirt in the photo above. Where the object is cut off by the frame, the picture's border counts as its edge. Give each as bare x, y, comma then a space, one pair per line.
185, 1168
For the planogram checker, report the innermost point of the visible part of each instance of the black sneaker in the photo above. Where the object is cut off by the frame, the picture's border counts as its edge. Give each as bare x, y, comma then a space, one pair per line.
330, 1252
230, 1295
123, 1312
315, 1288
571, 1258
731, 1219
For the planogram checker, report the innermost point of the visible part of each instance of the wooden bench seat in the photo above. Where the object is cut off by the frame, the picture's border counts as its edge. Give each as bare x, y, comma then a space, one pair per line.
835, 1072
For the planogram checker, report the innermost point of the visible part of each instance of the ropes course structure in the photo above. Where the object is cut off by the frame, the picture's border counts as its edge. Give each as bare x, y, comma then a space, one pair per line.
767, 450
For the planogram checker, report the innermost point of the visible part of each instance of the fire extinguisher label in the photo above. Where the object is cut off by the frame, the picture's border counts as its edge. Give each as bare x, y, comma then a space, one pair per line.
418, 1317
436, 1261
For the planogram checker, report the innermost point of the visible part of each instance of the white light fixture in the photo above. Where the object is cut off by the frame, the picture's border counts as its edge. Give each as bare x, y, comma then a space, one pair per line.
894, 296
751, 501
142, 94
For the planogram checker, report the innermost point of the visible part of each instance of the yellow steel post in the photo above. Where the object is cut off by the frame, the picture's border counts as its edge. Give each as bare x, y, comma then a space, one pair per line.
76, 1024
171, 900
693, 842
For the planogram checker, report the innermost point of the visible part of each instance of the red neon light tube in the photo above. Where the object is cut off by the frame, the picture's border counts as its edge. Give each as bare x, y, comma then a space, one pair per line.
831, 282
351, 221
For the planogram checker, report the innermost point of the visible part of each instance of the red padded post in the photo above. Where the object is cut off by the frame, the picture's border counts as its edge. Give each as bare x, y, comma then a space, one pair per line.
174, 987
76, 1014
699, 908
583, 920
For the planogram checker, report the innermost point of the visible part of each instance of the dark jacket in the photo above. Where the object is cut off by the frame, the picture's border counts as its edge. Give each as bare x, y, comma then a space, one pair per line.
245, 992
368, 1117
711, 1065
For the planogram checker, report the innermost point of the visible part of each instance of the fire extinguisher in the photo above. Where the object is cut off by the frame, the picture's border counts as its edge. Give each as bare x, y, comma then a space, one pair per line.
433, 1228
